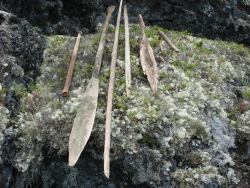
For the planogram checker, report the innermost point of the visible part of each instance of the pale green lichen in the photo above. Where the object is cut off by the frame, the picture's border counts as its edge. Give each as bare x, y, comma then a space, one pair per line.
188, 121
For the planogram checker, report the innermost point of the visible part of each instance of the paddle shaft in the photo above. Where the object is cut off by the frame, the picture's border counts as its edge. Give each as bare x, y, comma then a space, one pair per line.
84, 120
99, 55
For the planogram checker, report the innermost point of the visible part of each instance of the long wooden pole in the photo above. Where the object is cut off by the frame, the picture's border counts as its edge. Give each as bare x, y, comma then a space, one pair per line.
163, 36
85, 117
110, 96
127, 52
71, 67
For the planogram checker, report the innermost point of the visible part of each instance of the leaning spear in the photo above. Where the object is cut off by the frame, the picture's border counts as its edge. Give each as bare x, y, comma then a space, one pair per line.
127, 52
84, 120
110, 96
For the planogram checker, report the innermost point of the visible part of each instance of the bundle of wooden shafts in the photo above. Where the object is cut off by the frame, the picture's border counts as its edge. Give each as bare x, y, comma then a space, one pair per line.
84, 120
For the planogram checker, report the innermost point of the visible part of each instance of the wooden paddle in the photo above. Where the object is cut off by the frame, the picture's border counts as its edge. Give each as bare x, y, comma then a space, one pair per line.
148, 61
84, 120
110, 96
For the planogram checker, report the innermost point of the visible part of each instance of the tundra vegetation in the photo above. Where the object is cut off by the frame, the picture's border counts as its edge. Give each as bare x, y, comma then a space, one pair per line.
186, 137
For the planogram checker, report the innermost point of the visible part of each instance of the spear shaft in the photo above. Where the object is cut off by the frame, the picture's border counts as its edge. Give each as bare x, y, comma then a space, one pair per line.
71, 67
110, 97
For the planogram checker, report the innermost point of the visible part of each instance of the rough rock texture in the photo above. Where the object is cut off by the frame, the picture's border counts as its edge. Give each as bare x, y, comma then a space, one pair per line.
195, 134
226, 19
21, 52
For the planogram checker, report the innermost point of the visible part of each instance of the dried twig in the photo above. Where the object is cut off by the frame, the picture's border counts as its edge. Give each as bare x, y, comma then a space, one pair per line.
71, 67
163, 36
110, 97
148, 61
84, 120
127, 52
163, 60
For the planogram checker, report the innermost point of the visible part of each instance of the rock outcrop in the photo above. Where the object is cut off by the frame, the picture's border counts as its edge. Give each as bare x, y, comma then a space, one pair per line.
21, 51
228, 19
193, 135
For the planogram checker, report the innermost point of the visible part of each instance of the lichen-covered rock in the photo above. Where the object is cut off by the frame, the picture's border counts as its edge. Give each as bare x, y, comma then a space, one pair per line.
188, 136
21, 51
4, 114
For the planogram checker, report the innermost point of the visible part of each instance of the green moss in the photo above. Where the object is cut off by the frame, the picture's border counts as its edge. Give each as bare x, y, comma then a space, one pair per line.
163, 76
120, 102
246, 94
95, 40
236, 48
166, 88
135, 29
122, 29
135, 46
200, 49
121, 49
2, 94
84, 70
137, 72
186, 66
55, 41
20, 90
132, 115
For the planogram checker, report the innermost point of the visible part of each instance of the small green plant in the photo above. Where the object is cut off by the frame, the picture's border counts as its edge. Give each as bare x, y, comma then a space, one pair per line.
2, 94
95, 40
20, 90
246, 94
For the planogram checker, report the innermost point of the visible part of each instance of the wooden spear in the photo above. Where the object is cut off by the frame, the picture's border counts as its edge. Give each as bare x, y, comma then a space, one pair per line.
127, 52
148, 61
71, 67
110, 96
164, 37
84, 120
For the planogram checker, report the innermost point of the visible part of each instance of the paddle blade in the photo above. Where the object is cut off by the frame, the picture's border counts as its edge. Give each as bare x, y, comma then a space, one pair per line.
83, 122
149, 64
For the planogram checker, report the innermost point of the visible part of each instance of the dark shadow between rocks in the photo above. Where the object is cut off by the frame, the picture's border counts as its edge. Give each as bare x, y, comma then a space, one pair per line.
227, 20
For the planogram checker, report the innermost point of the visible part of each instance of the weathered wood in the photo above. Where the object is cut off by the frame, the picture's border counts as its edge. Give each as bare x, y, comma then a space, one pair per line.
110, 96
71, 67
148, 61
84, 120
127, 52
164, 37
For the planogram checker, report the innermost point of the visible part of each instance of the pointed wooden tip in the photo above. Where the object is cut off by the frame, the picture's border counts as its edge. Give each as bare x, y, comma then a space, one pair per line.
140, 16
73, 158
106, 174
72, 161
111, 9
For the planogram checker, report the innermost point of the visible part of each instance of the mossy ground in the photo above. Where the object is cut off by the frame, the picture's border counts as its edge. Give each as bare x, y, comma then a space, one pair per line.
197, 89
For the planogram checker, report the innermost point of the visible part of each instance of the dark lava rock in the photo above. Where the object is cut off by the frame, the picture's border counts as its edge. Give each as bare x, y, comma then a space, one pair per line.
213, 18
21, 52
